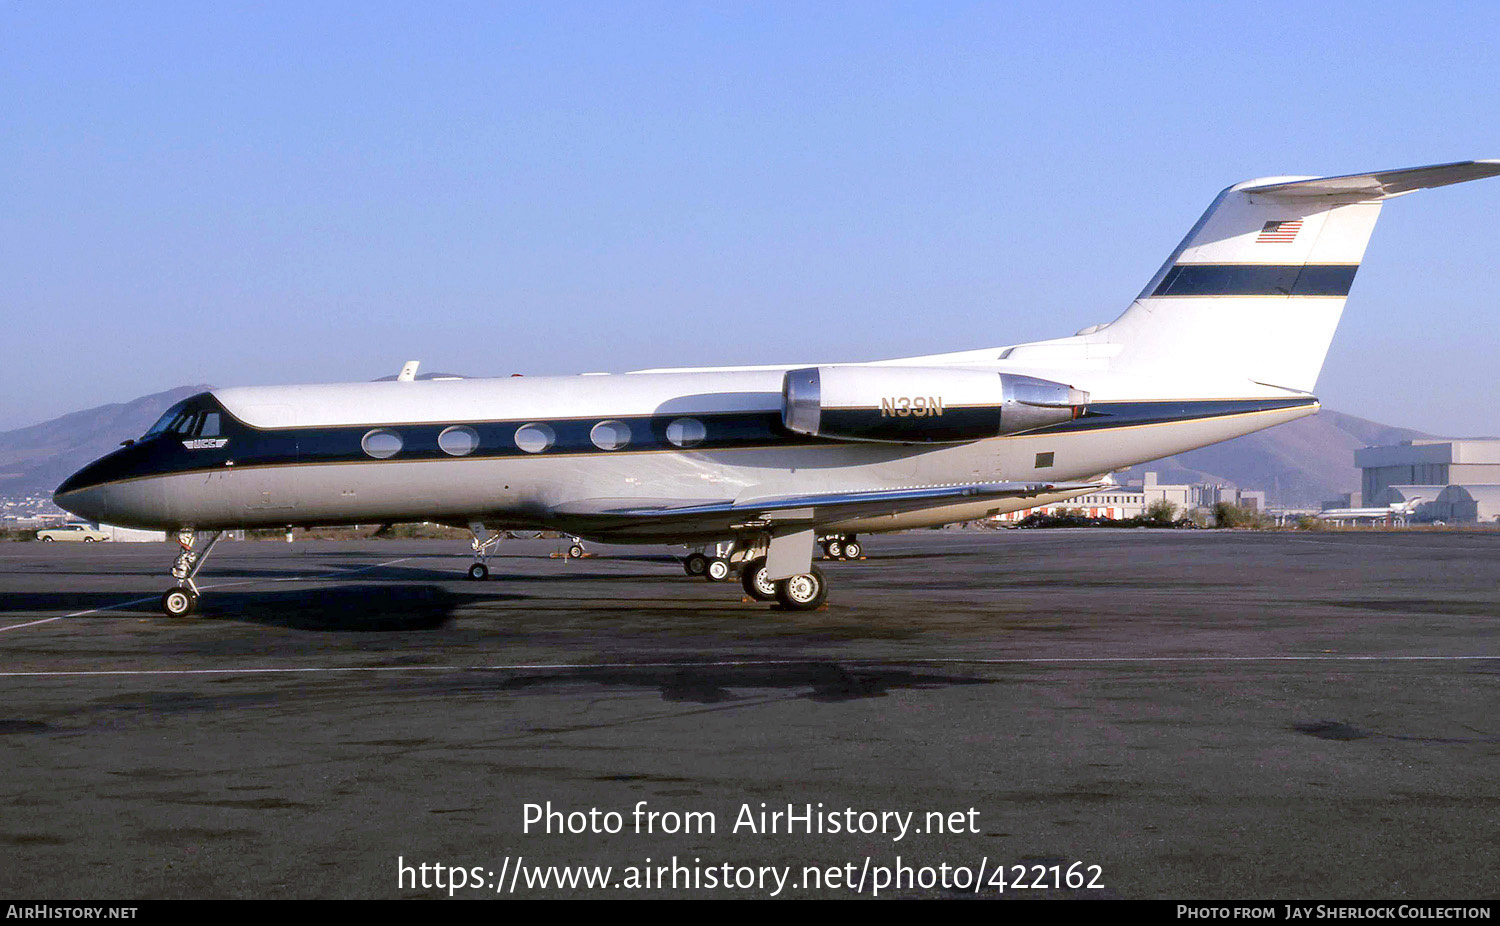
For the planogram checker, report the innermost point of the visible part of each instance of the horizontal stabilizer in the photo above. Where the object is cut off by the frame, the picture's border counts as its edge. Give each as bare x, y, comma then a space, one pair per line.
1380, 185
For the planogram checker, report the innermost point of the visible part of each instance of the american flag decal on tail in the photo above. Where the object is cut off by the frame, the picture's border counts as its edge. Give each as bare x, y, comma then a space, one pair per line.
1279, 232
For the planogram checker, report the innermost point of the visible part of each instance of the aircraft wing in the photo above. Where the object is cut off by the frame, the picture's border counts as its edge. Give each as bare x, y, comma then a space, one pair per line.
666, 516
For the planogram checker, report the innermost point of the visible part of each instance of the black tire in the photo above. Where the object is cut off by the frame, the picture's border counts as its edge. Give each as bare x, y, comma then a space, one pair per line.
835, 549
88, 540
695, 564
806, 592
575, 551
479, 572
852, 549
717, 569
179, 601
756, 585
47, 540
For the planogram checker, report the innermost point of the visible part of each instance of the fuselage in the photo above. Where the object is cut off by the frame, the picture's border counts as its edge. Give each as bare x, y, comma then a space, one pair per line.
510, 453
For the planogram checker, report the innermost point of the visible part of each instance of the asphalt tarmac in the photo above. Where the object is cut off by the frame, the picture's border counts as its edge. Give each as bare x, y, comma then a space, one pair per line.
1184, 714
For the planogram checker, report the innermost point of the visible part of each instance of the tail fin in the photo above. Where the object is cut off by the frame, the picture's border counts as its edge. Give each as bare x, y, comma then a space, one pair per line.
1263, 275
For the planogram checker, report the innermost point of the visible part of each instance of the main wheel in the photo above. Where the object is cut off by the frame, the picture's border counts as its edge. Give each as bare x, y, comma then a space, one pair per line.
695, 564
88, 540
575, 551
805, 592
479, 572
47, 540
716, 569
753, 578
835, 549
179, 602
852, 549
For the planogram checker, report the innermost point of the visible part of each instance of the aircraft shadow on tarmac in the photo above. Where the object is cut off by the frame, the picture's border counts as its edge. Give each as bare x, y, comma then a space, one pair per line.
823, 681
356, 608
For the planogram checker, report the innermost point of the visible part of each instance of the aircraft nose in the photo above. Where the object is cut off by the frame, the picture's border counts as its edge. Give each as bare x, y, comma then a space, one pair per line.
85, 493
91, 503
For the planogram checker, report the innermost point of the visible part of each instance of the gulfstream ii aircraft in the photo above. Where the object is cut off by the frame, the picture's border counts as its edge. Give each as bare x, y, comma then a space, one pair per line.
1227, 338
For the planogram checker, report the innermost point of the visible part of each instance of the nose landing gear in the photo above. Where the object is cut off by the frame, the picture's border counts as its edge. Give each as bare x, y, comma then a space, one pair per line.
182, 599
484, 544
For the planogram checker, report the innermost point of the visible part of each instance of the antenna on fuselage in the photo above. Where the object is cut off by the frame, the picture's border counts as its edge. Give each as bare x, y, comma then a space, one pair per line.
408, 373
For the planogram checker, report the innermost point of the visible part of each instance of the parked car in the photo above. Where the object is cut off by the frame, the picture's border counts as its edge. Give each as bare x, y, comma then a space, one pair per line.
81, 532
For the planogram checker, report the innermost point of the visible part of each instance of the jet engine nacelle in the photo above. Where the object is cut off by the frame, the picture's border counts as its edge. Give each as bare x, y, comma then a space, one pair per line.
921, 404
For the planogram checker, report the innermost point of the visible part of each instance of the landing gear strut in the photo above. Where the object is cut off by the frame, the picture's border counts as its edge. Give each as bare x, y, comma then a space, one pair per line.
182, 599
484, 544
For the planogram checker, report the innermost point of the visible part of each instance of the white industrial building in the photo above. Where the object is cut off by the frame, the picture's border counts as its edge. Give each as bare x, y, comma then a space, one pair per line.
1122, 502
1452, 481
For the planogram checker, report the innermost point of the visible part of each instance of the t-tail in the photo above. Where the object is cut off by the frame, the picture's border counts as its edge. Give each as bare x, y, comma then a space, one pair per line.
1254, 292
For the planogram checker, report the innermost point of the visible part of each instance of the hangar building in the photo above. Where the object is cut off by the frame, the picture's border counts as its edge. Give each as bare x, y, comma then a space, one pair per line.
1456, 481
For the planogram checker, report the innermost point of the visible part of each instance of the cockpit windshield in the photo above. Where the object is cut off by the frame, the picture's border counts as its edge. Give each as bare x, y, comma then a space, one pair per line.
171, 417
189, 418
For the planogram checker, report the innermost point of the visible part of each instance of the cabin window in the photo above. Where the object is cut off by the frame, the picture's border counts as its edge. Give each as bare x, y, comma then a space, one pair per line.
1043, 460
686, 432
459, 441
610, 435
534, 438
381, 443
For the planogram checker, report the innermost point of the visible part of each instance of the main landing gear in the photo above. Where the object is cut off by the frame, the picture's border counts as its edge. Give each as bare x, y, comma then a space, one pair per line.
842, 547
182, 599
484, 544
805, 592
715, 568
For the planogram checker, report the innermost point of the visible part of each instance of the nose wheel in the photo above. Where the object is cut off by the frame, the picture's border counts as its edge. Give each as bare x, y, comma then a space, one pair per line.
179, 601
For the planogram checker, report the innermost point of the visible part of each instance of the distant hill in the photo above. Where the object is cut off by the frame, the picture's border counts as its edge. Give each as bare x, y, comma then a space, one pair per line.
37, 458
1301, 463
1297, 464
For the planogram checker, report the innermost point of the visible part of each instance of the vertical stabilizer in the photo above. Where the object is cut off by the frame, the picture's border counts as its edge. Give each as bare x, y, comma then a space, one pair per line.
1256, 289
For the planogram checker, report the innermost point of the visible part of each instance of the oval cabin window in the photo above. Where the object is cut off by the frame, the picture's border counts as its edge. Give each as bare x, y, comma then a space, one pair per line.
534, 438
610, 435
686, 432
459, 441
381, 443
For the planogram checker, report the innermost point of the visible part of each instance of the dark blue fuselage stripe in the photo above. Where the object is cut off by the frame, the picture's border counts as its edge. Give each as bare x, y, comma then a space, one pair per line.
248, 446
1257, 280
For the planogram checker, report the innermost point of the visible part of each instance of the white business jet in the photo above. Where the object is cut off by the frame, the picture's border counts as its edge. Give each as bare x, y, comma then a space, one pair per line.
756, 463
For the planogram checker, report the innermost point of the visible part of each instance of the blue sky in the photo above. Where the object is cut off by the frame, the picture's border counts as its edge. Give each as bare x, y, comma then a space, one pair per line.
242, 193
